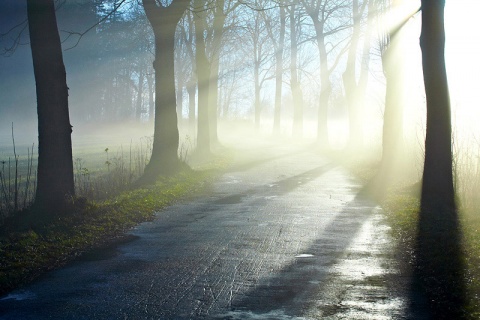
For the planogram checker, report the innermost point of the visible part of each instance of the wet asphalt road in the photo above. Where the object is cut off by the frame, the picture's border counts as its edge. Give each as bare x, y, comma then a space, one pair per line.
282, 236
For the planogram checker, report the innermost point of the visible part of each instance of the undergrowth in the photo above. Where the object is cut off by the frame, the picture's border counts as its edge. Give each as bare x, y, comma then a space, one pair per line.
26, 254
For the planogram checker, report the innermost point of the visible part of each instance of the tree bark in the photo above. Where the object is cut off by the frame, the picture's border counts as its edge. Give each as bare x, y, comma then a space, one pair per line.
151, 102
192, 93
180, 86
279, 72
217, 37
203, 67
355, 140
297, 96
139, 104
326, 87
213, 102
55, 166
257, 105
439, 252
392, 135
164, 20
437, 187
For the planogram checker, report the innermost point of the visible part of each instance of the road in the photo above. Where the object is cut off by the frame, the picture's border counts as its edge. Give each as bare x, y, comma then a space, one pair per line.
282, 235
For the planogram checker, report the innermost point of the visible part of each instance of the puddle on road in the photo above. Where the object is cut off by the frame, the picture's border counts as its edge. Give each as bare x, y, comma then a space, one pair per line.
359, 279
304, 255
25, 295
249, 315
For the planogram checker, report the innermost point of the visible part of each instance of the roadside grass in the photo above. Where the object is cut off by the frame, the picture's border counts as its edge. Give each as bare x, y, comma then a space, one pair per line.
28, 251
401, 208
402, 214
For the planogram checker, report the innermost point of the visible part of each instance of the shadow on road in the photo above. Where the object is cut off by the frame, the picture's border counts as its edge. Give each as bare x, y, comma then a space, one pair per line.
439, 267
294, 289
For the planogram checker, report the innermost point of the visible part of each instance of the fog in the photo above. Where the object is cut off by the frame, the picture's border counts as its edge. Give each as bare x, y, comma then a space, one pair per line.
311, 114
110, 80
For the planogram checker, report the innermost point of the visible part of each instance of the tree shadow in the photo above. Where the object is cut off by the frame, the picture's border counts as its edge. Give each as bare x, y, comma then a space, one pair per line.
305, 282
439, 266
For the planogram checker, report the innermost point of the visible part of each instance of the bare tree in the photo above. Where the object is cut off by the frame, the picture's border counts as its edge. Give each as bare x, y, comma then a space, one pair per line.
440, 261
55, 165
164, 20
328, 17
437, 188
187, 37
355, 90
297, 95
393, 66
277, 38
260, 48
203, 67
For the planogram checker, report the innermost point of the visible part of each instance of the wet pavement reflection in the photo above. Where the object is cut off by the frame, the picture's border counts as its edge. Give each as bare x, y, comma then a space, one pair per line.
283, 235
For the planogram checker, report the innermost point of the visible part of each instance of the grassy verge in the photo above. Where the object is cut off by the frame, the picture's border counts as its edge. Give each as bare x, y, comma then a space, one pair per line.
24, 255
402, 213
401, 208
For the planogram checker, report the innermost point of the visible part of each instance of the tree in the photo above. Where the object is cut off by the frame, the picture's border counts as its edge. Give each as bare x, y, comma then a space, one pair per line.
393, 65
55, 165
203, 67
326, 16
437, 187
440, 262
278, 48
187, 40
297, 95
355, 90
164, 20
218, 25
257, 38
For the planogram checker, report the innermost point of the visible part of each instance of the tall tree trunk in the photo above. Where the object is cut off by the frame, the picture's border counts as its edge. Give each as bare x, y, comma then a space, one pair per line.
191, 89
392, 136
355, 140
294, 83
279, 72
55, 165
439, 251
203, 80
257, 106
218, 31
139, 104
365, 66
151, 102
325, 88
437, 188
180, 86
164, 20
213, 100
192, 82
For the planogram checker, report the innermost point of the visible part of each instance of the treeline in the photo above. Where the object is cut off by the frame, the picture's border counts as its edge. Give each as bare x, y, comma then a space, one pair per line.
148, 60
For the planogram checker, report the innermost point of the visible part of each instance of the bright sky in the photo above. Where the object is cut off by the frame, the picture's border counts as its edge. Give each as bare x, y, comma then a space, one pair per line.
462, 57
463, 65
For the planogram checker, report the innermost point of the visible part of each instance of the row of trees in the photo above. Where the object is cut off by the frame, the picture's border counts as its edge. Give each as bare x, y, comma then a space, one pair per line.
197, 32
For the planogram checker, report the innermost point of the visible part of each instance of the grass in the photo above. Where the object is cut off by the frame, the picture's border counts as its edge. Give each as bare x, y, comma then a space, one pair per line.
28, 251
402, 214
401, 208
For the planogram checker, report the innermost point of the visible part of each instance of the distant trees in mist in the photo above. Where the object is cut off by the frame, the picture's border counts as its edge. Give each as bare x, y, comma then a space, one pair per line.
160, 61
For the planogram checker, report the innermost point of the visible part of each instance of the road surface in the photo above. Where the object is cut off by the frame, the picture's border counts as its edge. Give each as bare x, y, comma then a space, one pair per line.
283, 235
